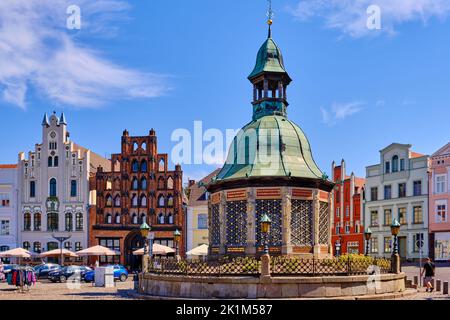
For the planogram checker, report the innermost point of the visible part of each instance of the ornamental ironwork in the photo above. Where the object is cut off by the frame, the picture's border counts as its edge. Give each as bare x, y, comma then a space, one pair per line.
301, 222
214, 227
324, 223
236, 223
273, 208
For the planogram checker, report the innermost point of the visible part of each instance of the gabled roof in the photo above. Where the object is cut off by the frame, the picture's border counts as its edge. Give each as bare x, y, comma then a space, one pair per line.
96, 160
445, 150
198, 190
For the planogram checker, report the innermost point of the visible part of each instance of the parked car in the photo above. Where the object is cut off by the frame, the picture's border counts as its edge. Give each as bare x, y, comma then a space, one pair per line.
43, 270
120, 273
68, 273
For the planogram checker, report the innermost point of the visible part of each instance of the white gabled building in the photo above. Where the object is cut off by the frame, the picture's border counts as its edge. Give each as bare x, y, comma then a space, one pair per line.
54, 189
8, 207
397, 188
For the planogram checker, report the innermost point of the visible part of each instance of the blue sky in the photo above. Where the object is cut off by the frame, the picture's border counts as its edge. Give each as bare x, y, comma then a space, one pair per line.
164, 64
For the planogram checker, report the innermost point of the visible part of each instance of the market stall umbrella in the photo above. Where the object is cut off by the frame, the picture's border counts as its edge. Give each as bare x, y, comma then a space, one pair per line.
57, 253
157, 249
16, 253
98, 251
201, 250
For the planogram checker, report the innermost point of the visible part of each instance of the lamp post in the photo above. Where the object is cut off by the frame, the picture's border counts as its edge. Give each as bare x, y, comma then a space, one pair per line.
61, 240
265, 230
145, 229
176, 238
395, 259
395, 229
367, 236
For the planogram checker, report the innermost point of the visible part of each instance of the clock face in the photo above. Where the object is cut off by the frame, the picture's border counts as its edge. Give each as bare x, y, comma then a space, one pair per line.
53, 134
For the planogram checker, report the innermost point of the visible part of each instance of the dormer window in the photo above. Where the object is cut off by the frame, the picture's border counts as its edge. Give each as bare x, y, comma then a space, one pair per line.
395, 163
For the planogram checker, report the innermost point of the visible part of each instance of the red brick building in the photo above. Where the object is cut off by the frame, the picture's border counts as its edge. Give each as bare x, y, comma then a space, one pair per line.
138, 187
348, 226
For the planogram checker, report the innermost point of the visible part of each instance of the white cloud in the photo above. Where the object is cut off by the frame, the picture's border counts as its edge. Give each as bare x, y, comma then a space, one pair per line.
340, 111
37, 51
350, 16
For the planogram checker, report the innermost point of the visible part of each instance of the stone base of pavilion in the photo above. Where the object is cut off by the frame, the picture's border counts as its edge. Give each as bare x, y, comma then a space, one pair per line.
248, 287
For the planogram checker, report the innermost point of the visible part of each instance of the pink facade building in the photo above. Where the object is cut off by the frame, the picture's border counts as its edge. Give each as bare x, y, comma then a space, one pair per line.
439, 222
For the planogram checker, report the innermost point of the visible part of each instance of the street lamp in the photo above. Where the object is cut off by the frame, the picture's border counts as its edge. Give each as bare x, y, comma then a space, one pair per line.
265, 230
367, 236
176, 238
145, 229
61, 240
395, 229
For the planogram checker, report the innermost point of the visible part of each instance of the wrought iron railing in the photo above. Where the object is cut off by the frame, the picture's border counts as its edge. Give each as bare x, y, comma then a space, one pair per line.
245, 266
279, 266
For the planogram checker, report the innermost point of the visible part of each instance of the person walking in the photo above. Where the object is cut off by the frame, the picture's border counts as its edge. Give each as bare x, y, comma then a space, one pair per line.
428, 270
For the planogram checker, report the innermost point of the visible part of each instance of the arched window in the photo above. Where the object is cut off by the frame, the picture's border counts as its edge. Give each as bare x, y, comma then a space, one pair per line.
26, 245
142, 218
135, 146
37, 221
69, 221
143, 201
109, 184
117, 218
161, 165
73, 188
135, 166
143, 184
134, 218
52, 221
170, 183
134, 184
134, 201
32, 189
117, 201
108, 218
143, 166
52, 187
395, 163
144, 146
170, 218
161, 183
50, 162
117, 184
79, 221
161, 201
109, 201
161, 218
170, 201
37, 247
55, 161
27, 221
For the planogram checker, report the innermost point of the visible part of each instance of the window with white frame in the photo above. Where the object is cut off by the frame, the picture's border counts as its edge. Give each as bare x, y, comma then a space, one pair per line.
441, 183
4, 199
347, 227
374, 245
4, 228
441, 212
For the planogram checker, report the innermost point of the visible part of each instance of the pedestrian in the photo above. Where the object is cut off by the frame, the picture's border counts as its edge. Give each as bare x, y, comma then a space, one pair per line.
428, 269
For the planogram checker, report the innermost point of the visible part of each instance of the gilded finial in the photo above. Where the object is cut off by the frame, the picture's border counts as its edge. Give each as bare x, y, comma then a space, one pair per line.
270, 17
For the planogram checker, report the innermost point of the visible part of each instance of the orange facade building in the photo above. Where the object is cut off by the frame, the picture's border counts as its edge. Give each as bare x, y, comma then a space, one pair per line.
138, 187
348, 225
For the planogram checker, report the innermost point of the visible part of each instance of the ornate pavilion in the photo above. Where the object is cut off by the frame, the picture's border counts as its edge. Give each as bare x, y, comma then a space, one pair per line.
270, 170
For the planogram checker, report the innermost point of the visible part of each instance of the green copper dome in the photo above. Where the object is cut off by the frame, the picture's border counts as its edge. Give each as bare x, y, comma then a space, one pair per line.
269, 59
271, 146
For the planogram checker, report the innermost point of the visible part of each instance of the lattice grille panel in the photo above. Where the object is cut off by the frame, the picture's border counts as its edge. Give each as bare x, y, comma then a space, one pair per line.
273, 208
301, 223
214, 227
236, 223
324, 223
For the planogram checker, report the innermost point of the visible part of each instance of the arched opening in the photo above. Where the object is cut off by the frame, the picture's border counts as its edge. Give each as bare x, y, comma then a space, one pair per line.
143, 166
135, 166
133, 241
170, 183
52, 187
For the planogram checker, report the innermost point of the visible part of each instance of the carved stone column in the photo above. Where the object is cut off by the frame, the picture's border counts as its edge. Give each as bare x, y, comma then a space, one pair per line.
316, 213
223, 223
250, 249
331, 221
286, 222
